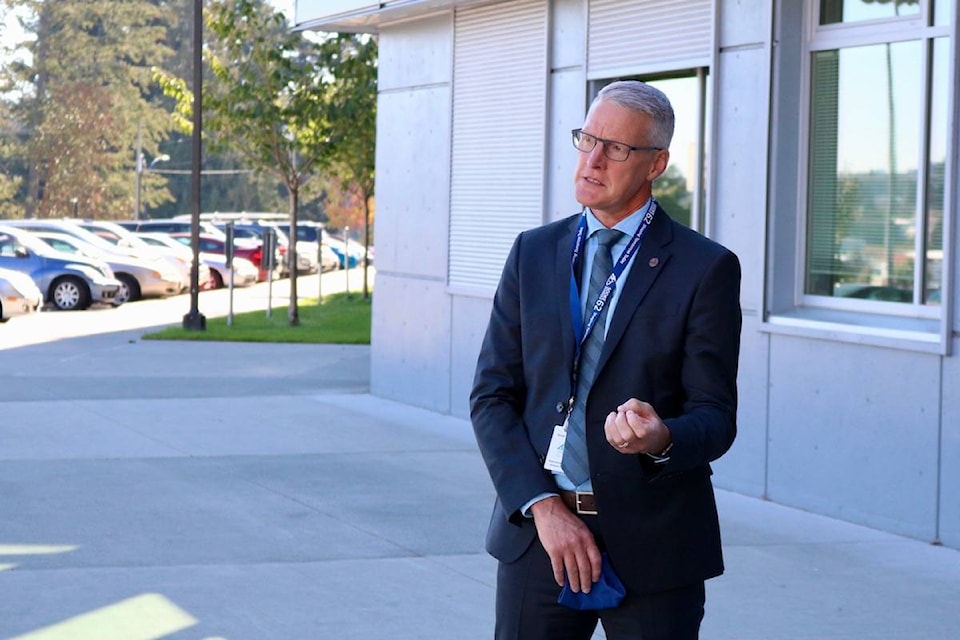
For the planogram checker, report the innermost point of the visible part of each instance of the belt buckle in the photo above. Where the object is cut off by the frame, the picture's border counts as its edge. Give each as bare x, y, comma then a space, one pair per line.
583, 511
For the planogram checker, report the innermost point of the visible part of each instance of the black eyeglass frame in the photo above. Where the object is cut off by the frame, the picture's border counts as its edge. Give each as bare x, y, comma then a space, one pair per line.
580, 133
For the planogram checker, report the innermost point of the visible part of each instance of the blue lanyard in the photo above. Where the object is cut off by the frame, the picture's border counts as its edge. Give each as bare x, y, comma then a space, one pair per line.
581, 331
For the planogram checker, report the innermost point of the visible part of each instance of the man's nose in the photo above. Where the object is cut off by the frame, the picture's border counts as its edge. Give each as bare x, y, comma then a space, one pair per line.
596, 155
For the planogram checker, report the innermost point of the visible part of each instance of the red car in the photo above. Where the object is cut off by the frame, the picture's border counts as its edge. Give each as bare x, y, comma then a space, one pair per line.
252, 251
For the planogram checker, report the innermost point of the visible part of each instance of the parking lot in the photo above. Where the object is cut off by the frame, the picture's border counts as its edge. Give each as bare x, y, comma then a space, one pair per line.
55, 325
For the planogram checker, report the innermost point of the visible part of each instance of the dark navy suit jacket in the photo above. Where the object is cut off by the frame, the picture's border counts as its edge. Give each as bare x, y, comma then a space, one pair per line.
673, 341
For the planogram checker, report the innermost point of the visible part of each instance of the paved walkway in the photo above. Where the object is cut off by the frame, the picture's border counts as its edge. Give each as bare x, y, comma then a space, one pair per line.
218, 491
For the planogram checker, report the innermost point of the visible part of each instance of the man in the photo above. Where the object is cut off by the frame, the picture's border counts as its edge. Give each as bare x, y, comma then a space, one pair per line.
601, 462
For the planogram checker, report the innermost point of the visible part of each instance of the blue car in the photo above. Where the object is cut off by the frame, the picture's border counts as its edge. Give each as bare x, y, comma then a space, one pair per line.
67, 282
347, 255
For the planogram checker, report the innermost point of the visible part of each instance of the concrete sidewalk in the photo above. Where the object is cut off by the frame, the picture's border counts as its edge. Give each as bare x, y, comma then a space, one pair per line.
210, 491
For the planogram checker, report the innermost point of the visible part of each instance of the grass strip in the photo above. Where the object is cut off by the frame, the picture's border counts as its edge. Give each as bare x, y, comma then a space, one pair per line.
343, 318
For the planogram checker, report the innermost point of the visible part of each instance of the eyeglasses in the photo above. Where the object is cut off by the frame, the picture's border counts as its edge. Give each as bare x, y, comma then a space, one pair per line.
616, 151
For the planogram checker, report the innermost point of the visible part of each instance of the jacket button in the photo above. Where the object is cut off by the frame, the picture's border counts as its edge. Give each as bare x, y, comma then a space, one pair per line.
560, 407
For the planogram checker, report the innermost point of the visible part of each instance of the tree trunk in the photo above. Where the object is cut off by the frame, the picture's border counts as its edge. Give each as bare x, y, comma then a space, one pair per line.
366, 244
293, 311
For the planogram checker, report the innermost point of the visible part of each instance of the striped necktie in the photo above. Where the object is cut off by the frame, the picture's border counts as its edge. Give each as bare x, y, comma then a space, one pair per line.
575, 464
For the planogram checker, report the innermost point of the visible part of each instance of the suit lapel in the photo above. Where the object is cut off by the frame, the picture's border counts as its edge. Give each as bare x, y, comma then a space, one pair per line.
649, 261
562, 275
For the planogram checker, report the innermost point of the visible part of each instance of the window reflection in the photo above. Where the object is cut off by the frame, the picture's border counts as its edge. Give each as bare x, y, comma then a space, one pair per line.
864, 146
838, 11
943, 12
675, 188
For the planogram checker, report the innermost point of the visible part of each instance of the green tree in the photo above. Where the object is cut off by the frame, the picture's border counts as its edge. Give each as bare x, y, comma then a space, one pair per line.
279, 100
354, 117
672, 193
79, 91
267, 100
10, 168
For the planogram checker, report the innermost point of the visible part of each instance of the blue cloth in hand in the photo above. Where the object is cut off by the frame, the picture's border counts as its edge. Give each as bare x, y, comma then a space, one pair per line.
606, 593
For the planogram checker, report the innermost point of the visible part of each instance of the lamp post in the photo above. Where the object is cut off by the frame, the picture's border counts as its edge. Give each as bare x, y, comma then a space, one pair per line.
138, 207
194, 320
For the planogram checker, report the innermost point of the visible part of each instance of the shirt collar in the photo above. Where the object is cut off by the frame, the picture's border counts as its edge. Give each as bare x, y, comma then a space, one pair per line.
628, 226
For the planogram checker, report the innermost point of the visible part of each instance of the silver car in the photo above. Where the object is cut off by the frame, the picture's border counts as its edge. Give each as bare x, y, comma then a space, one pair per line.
19, 295
67, 282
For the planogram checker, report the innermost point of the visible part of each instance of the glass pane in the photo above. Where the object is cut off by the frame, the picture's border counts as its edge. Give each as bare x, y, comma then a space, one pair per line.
834, 11
864, 144
933, 269
943, 12
674, 189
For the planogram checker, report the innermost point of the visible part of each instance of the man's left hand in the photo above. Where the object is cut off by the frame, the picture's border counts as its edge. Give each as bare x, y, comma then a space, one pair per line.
636, 428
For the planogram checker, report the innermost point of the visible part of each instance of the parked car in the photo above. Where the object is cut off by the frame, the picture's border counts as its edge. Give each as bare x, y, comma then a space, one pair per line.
309, 247
156, 280
348, 256
129, 271
866, 291
254, 231
209, 244
170, 226
19, 295
67, 282
66, 243
329, 260
244, 271
315, 234
126, 240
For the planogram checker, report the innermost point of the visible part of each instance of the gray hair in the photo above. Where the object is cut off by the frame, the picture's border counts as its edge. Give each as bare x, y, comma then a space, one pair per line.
643, 98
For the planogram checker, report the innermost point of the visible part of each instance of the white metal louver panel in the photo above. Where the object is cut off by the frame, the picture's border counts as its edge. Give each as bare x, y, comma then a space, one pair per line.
638, 37
499, 135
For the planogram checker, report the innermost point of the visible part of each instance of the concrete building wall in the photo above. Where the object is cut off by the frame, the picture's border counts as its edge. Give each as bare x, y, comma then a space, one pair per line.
411, 309
738, 220
949, 496
848, 438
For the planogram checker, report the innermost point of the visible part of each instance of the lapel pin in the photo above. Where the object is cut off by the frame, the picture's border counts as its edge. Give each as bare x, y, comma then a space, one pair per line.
654, 262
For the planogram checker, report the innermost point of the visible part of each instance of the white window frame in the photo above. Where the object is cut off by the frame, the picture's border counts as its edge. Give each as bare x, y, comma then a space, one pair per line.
917, 327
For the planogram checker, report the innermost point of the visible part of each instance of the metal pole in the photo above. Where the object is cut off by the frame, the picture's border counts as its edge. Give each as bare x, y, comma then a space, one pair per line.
346, 259
269, 252
194, 319
229, 256
138, 175
319, 267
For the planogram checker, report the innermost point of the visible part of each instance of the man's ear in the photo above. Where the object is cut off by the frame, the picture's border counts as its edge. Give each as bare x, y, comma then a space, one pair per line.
659, 165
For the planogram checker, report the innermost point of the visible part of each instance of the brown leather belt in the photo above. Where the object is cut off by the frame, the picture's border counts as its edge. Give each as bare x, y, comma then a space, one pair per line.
581, 503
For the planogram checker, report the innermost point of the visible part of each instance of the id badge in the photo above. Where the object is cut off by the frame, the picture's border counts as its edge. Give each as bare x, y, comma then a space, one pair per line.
554, 459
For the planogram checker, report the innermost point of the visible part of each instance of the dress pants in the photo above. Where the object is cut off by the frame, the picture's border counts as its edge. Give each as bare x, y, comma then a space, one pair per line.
527, 607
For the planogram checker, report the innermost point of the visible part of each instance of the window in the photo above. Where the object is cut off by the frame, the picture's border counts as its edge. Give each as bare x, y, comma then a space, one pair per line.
875, 185
858, 202
680, 190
